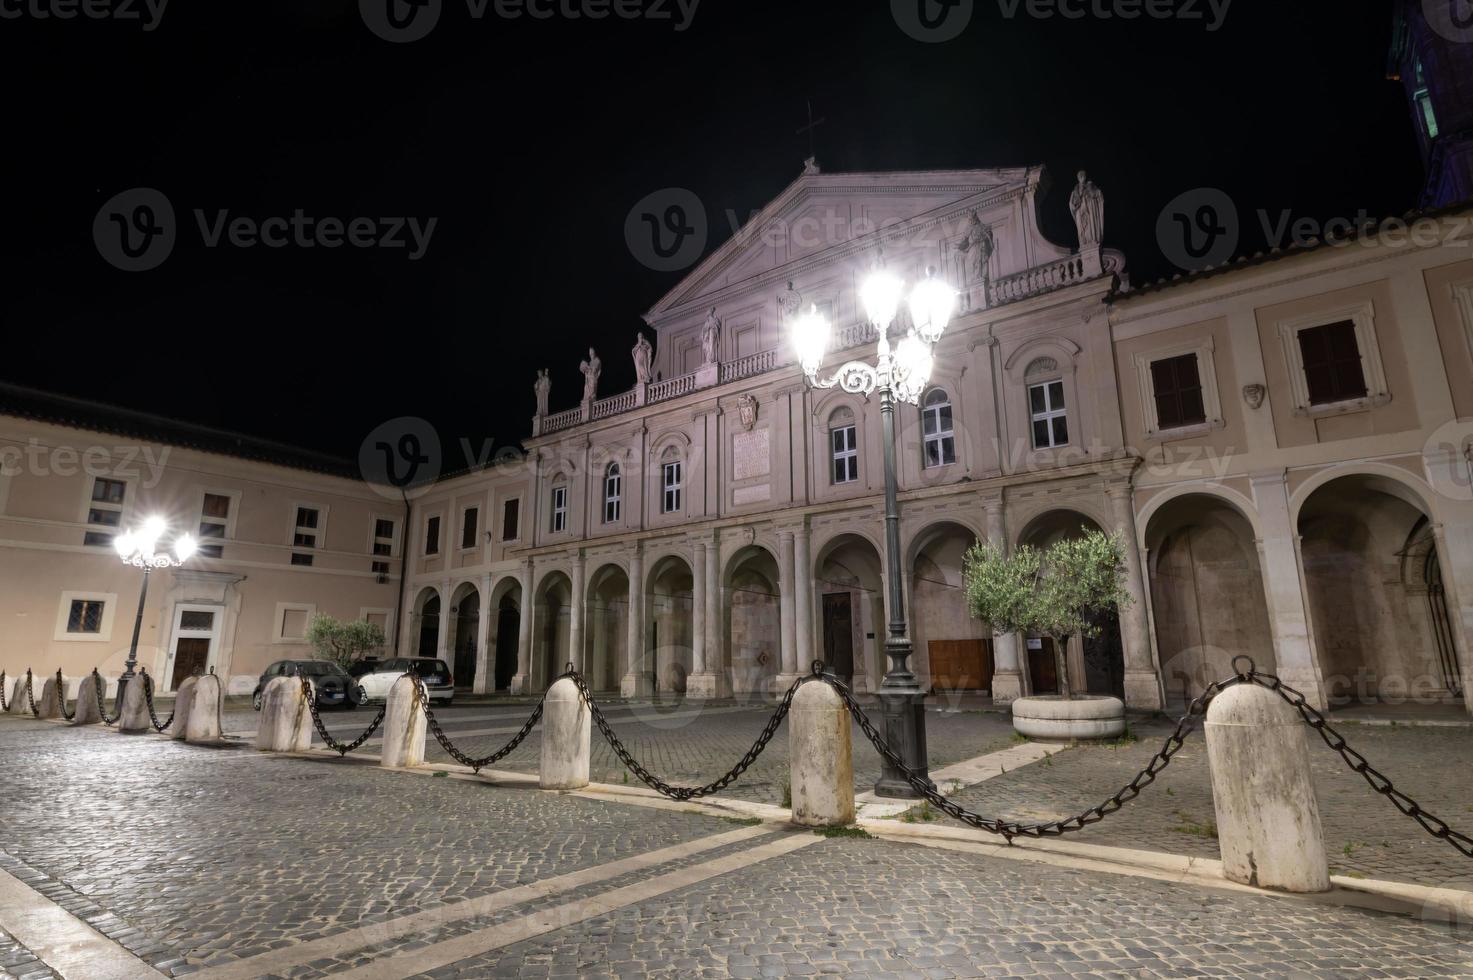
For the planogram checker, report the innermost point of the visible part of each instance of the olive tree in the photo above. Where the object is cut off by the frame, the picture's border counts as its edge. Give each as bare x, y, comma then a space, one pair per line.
1053, 591
343, 643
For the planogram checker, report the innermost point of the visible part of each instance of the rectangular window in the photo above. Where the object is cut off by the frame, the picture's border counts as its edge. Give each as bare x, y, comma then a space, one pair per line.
383, 538
670, 481
305, 535
510, 514
846, 454
1046, 409
937, 432
304, 561
613, 495
85, 616
105, 511
1177, 385
559, 509
432, 536
470, 527
214, 522
1332, 363
380, 568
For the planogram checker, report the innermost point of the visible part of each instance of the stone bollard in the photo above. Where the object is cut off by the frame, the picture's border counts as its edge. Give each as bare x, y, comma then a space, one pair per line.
1268, 820
567, 733
286, 724
86, 713
133, 717
183, 702
820, 754
404, 727
18, 703
201, 722
47, 705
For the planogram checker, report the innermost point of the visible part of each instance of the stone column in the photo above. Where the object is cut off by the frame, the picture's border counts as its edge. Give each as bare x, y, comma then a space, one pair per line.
715, 620
442, 637
636, 682
1007, 676
1142, 682
1288, 616
576, 653
522, 682
1451, 594
803, 583
698, 608
485, 669
788, 632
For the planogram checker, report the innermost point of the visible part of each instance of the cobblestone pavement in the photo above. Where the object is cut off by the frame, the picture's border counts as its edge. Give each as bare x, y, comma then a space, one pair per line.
1364, 833
19, 963
197, 858
877, 909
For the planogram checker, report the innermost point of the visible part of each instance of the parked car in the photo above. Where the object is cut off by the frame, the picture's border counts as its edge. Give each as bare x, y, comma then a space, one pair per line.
435, 674
365, 666
332, 684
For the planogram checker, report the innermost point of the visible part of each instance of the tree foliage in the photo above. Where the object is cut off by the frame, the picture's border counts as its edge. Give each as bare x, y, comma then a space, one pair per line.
343, 643
1055, 591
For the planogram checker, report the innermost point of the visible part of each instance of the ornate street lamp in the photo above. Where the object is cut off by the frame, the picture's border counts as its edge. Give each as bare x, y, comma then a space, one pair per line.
900, 375
140, 549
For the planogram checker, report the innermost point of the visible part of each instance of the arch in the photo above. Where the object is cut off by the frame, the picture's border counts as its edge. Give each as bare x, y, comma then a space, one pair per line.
504, 632
1207, 591
952, 648
606, 626
1227, 495
463, 642
849, 576
551, 627
1392, 480
1061, 349
1376, 633
670, 621
426, 634
1054, 524
750, 634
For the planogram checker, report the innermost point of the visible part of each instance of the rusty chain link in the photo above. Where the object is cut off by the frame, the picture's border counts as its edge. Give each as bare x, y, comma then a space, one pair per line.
4, 702
31, 695
341, 748
148, 699
683, 793
98, 687
61, 697
422, 696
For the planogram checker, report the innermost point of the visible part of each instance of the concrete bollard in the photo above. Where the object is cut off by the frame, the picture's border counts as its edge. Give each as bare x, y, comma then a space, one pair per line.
1268, 819
286, 724
133, 717
183, 701
821, 757
404, 727
47, 705
18, 705
86, 713
567, 733
201, 724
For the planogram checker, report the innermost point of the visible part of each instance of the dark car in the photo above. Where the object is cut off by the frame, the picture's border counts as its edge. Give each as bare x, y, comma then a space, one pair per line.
439, 685
365, 666
332, 684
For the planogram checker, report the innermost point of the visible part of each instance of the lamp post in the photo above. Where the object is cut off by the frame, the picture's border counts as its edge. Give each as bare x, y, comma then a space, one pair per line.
140, 549
899, 375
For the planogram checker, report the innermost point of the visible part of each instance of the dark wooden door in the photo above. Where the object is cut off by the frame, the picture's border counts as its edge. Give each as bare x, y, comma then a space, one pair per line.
191, 654
838, 635
508, 632
1043, 670
961, 665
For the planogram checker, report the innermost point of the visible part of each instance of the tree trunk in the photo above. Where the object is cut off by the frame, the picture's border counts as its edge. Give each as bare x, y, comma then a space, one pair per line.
1061, 665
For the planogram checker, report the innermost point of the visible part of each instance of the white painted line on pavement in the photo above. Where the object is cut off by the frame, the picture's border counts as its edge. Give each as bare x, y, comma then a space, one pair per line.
61, 940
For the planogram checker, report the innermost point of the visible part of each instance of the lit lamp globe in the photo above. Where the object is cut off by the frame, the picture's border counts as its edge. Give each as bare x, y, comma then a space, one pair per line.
915, 362
811, 339
185, 547
880, 295
932, 304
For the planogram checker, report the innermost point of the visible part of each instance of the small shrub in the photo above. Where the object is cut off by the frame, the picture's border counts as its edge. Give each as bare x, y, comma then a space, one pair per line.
858, 832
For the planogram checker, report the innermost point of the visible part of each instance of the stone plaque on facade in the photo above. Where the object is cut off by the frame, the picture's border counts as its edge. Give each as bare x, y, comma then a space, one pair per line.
750, 455
742, 496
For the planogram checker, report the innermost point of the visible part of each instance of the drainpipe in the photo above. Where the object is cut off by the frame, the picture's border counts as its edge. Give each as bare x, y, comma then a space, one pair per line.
403, 572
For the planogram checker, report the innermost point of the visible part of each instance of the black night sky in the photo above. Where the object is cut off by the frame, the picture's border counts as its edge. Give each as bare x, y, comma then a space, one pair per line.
530, 140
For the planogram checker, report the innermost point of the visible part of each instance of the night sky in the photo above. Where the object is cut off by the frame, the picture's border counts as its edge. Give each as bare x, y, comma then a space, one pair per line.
530, 141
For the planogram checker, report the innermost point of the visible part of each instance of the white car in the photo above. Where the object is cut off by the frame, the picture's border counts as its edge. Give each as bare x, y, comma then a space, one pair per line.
435, 673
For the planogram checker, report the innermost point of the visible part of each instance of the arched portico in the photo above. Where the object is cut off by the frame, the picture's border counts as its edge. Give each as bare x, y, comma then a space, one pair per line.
670, 629
426, 633
606, 627
465, 626
552, 628
952, 648
503, 632
750, 633
851, 610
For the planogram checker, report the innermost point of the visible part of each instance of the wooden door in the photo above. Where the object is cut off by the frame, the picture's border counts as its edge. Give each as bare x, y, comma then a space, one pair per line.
961, 665
838, 635
1043, 670
191, 654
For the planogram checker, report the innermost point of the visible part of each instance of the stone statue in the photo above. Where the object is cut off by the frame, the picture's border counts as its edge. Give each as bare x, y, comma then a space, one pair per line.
711, 336
641, 353
977, 245
1088, 206
543, 387
591, 369
788, 303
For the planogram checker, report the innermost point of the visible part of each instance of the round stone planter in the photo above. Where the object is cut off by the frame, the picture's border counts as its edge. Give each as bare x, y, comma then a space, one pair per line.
1085, 717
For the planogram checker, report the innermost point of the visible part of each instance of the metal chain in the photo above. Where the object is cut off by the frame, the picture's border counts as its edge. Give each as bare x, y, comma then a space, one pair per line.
97, 688
61, 697
684, 793
1435, 826
4, 704
31, 694
148, 699
475, 764
341, 748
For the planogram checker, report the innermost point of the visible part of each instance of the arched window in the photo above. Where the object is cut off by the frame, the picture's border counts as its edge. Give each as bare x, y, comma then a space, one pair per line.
559, 509
672, 481
940, 440
613, 494
843, 446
